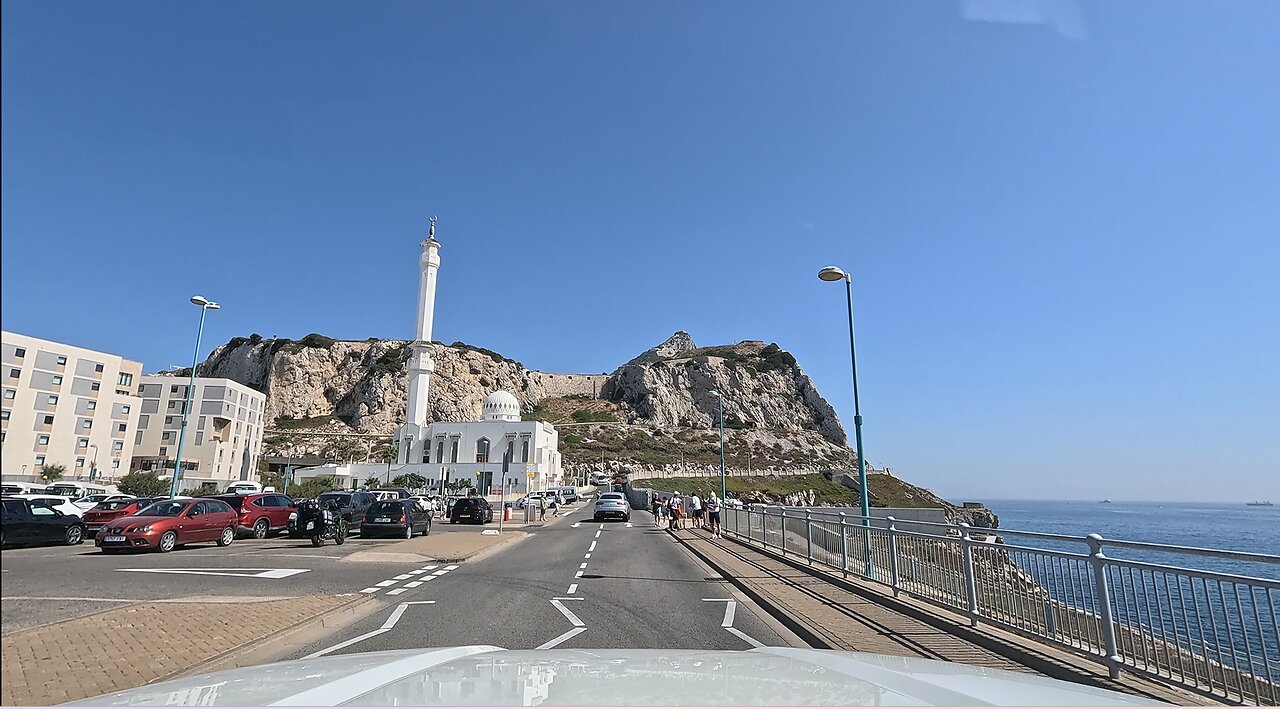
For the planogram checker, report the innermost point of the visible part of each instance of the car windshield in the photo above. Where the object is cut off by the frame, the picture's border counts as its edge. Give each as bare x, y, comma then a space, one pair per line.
114, 504
343, 500
386, 507
611, 496
168, 508
93, 498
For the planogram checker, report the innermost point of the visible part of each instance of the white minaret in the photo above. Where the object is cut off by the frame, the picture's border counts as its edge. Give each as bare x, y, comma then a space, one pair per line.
420, 364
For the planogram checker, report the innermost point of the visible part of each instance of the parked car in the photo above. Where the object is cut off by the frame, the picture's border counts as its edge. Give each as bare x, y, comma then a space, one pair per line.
531, 498
476, 510
88, 502
58, 502
395, 517
569, 494
352, 505
244, 487
37, 522
612, 504
391, 493
98, 517
260, 513
168, 524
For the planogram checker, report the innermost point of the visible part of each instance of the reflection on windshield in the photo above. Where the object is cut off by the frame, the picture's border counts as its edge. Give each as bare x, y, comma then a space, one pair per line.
114, 504
343, 500
164, 509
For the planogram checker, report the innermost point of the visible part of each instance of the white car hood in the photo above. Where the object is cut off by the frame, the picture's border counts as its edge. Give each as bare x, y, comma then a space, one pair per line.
489, 676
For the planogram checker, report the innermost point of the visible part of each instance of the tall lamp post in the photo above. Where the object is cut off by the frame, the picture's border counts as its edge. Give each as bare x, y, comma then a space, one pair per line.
720, 398
832, 274
205, 306
93, 464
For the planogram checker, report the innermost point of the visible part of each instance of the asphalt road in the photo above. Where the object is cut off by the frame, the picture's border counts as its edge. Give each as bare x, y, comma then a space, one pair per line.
40, 585
576, 584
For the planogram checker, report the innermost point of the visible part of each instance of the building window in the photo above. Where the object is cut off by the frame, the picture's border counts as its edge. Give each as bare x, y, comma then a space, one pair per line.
57, 379
10, 393
79, 462
95, 386
453, 452
426, 452
115, 464
167, 435
42, 440
48, 420
440, 451
121, 428
482, 450
125, 379
15, 373
524, 451
39, 460
168, 420
87, 423
137, 438
511, 450
173, 389
143, 420
53, 399
92, 405
20, 352
4, 415
164, 450
199, 437
62, 361
118, 445
97, 368
82, 443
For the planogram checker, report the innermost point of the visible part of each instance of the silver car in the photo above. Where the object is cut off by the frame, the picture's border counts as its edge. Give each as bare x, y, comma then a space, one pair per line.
612, 504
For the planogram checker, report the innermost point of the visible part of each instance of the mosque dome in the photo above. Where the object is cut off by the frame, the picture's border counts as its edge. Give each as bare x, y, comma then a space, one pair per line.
501, 406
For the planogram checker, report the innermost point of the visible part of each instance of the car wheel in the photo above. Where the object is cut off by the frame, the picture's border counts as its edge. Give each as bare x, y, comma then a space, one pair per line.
228, 536
167, 542
427, 531
261, 528
408, 531
74, 535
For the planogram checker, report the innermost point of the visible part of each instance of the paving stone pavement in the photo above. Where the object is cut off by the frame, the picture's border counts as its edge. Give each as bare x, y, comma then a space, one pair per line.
127, 647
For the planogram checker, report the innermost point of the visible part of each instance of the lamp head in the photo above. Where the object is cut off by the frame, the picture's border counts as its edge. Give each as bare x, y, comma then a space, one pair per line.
204, 302
832, 274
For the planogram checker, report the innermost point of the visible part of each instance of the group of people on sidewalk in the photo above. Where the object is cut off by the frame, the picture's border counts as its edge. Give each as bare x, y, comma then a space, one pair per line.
672, 512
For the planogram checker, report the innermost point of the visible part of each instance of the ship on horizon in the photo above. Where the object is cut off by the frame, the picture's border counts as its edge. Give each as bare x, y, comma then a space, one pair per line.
1260, 503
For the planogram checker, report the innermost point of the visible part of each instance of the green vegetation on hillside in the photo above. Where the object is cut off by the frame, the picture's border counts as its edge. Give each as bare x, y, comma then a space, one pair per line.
884, 490
313, 422
589, 416
390, 362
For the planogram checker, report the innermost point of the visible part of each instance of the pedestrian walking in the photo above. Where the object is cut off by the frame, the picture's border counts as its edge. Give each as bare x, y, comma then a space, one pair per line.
655, 505
695, 510
542, 507
677, 510
713, 516
554, 504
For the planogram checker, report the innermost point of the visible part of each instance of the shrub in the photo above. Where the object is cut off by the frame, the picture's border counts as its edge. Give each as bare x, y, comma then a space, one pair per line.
52, 472
392, 361
589, 416
143, 483
317, 340
572, 439
204, 490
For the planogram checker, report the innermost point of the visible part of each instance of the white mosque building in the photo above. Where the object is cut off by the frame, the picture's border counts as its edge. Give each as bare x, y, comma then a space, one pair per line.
499, 447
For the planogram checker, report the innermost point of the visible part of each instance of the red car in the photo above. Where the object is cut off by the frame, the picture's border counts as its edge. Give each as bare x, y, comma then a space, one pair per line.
104, 512
167, 524
260, 512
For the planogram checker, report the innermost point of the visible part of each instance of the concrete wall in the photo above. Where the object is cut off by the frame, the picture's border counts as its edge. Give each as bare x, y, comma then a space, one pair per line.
555, 384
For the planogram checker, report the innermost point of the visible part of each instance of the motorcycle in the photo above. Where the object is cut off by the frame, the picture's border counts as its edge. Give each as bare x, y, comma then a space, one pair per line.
322, 524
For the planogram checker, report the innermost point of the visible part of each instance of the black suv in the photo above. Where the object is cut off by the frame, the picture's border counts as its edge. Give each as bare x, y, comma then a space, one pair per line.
475, 510
352, 505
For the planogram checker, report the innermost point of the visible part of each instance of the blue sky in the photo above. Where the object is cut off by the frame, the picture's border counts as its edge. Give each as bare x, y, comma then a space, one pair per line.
1062, 220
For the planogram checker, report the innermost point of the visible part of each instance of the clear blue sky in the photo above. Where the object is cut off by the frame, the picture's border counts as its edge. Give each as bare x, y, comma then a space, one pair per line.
1063, 220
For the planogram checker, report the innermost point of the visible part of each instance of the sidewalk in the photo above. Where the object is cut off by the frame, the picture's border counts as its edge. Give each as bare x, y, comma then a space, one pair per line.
127, 647
831, 612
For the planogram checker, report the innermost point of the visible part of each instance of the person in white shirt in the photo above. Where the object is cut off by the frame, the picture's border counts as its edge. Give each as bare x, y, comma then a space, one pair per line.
695, 510
713, 516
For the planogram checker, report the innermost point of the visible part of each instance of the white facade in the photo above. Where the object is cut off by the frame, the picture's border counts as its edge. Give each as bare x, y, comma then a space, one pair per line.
224, 431
471, 450
68, 406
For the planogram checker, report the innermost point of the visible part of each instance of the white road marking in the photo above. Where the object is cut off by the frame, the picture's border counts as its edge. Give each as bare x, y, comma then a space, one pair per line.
556, 641
597, 534
441, 572
240, 573
730, 609
583, 565
391, 623
586, 556
402, 577
573, 588
371, 589
575, 525
578, 575
747, 638
384, 584
450, 567
628, 524
577, 622
397, 592
424, 579
592, 547
602, 525
413, 584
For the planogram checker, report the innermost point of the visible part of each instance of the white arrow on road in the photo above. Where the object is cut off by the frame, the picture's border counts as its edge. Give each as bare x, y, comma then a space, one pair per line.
237, 572
730, 608
578, 625
628, 524
391, 623
575, 525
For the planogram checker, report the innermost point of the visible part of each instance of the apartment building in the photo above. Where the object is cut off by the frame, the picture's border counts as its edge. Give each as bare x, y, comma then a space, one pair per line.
224, 431
66, 405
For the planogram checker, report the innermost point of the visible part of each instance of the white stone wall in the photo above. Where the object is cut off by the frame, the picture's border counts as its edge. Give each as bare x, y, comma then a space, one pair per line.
555, 384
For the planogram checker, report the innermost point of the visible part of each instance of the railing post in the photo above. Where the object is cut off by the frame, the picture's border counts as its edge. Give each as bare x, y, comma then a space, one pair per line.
970, 582
782, 527
808, 535
1098, 560
844, 547
893, 557
747, 510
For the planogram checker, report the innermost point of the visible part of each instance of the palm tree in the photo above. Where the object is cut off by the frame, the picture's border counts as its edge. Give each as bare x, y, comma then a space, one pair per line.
372, 481
51, 472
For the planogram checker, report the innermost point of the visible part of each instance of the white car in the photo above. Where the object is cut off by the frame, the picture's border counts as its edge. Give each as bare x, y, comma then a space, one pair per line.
531, 498
57, 502
91, 501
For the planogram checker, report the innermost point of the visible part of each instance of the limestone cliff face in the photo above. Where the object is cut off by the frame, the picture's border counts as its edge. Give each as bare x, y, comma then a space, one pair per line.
362, 383
763, 387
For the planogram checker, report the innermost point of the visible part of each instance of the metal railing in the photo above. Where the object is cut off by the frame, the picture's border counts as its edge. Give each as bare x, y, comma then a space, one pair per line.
1212, 631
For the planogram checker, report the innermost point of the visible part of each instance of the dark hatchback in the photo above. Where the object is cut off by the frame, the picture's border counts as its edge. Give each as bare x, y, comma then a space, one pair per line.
33, 522
401, 518
475, 510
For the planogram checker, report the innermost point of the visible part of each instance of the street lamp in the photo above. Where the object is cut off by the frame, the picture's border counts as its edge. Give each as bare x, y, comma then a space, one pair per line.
831, 274
720, 398
205, 306
93, 465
